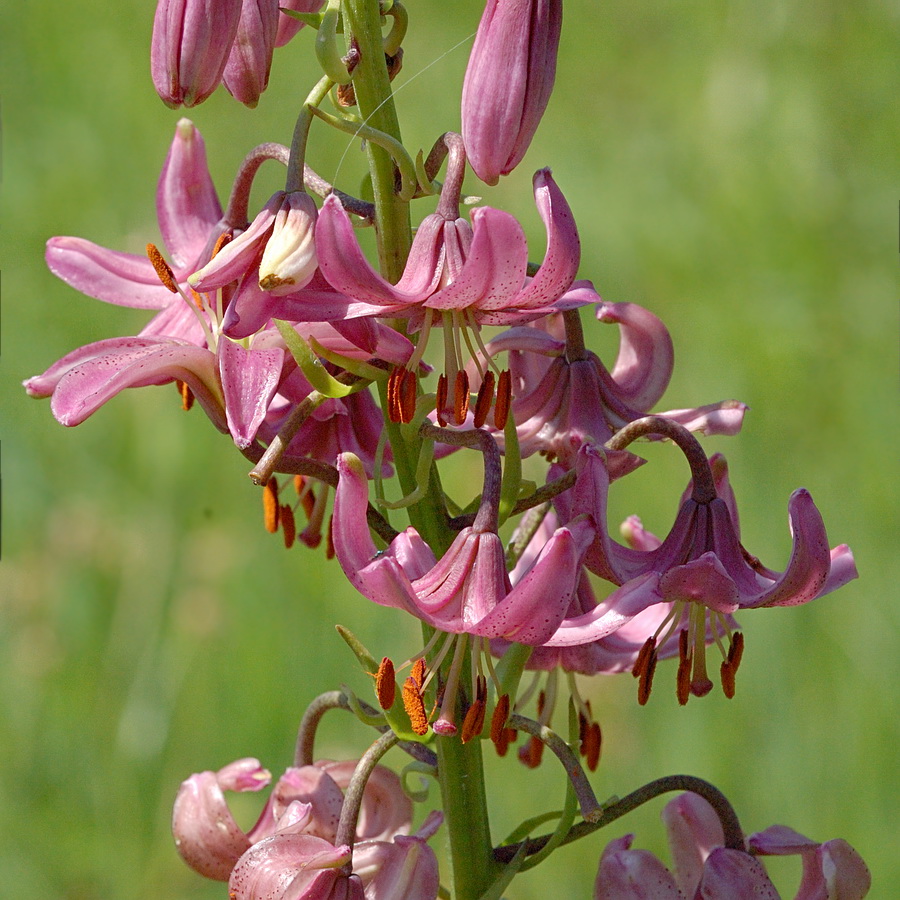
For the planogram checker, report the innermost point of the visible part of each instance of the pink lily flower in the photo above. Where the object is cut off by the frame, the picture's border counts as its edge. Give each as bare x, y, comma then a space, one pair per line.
476, 271
246, 73
468, 589
700, 568
550, 411
508, 82
703, 867
191, 43
305, 801
190, 221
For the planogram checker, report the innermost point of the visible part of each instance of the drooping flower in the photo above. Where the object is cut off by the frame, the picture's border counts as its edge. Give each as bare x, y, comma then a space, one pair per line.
468, 589
703, 867
306, 800
564, 399
508, 82
191, 43
701, 566
288, 26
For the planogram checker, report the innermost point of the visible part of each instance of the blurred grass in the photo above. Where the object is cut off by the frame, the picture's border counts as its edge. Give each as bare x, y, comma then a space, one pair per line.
734, 168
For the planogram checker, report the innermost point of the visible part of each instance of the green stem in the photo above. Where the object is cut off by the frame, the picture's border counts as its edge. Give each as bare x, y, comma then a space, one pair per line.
376, 106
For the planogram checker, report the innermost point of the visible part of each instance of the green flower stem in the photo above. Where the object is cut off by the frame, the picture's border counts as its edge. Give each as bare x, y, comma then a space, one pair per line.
295, 172
376, 106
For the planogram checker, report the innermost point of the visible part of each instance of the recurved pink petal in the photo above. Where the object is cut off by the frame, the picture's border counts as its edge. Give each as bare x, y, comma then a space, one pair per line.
186, 202
725, 418
120, 278
646, 356
86, 387
206, 835
702, 580
348, 271
810, 562
563, 254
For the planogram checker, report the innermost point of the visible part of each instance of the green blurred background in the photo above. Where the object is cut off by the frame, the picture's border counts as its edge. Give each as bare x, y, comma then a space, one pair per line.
732, 166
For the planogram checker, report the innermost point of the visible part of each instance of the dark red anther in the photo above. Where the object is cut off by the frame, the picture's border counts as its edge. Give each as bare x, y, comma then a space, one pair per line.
460, 397
288, 525
484, 398
504, 400
441, 400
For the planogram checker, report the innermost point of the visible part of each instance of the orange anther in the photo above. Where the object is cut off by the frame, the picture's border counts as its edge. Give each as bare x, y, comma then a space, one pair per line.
270, 505
498, 720
504, 399
223, 239
418, 672
484, 398
385, 686
162, 268
415, 708
288, 525
187, 395
460, 397
473, 722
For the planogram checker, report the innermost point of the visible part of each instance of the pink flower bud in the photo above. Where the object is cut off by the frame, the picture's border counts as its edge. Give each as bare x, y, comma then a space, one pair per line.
508, 82
288, 26
289, 259
190, 46
247, 71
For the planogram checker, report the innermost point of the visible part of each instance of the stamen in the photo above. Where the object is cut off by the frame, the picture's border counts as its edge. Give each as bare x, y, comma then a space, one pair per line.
187, 395
223, 239
385, 685
418, 672
306, 494
407, 389
162, 268
736, 650
415, 708
683, 676
473, 723
643, 655
461, 397
504, 399
288, 525
484, 398
644, 668
498, 721
441, 400
591, 746
506, 737
729, 667
270, 506
329, 539
530, 754
393, 394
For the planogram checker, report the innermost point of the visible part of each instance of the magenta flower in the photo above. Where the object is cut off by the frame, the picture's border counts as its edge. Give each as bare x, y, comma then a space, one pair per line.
508, 82
567, 402
703, 867
191, 43
476, 271
305, 801
468, 589
701, 568
246, 73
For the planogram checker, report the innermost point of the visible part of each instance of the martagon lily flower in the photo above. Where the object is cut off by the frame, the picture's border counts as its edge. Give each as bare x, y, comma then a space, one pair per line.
703, 867
700, 568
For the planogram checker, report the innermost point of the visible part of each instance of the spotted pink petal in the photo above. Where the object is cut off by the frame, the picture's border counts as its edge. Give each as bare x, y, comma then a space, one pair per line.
249, 381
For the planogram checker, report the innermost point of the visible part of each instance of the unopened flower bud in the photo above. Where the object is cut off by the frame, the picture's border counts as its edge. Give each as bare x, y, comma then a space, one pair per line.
246, 74
508, 82
191, 43
288, 26
289, 259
